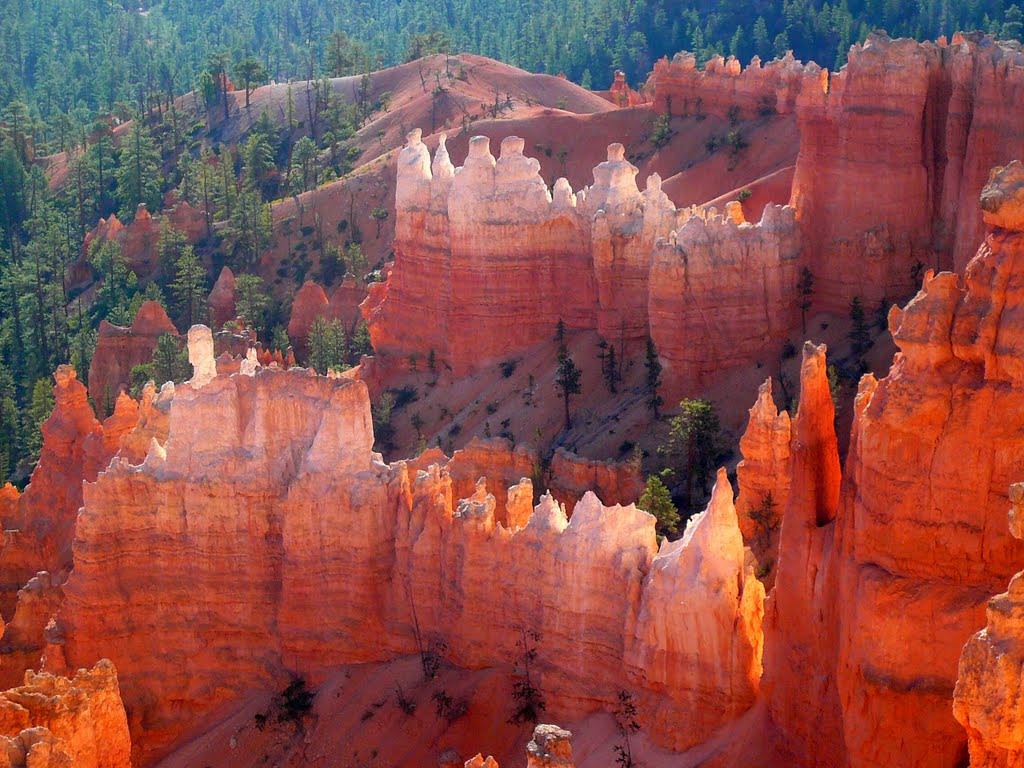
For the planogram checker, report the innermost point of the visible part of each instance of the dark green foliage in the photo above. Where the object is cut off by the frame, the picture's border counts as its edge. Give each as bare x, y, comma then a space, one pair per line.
692, 449
627, 723
860, 332
662, 132
170, 361
806, 288
657, 501
652, 367
766, 520
568, 380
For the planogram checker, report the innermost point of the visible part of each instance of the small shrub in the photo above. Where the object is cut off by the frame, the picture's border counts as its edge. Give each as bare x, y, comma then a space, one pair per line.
508, 368
662, 133
744, 195
404, 397
491, 409
448, 708
407, 705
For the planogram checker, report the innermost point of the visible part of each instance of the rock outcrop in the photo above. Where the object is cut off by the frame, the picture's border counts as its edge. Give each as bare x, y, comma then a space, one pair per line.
915, 540
267, 539
488, 260
550, 747
764, 470
39, 525
988, 697
919, 124
222, 299
119, 349
139, 240
54, 722
311, 303
716, 643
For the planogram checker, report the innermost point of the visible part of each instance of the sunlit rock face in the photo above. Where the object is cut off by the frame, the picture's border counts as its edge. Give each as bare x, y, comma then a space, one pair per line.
915, 541
488, 260
119, 349
264, 537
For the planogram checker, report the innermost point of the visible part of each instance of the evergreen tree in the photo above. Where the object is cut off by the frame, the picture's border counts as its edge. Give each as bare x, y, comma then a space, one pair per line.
251, 302
170, 360
138, 172
693, 446
250, 73
657, 501
189, 288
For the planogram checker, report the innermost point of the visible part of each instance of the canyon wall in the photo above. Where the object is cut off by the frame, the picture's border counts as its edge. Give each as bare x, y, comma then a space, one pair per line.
894, 150
264, 538
488, 260
912, 541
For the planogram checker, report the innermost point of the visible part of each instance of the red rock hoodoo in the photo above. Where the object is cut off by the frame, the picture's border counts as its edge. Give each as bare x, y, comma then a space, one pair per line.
119, 349
249, 478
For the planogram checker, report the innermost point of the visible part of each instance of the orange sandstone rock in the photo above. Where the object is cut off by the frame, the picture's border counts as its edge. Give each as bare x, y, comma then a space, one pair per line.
987, 699
764, 470
266, 539
222, 299
120, 349
54, 722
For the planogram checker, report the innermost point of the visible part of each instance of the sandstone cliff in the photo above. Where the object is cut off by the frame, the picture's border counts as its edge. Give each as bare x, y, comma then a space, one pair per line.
267, 539
487, 255
915, 540
919, 124
39, 525
987, 699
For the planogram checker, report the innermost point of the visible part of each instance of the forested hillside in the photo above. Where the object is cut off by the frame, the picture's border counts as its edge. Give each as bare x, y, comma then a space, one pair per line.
67, 59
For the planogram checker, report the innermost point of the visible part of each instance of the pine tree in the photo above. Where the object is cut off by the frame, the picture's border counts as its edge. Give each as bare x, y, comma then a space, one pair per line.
138, 173
189, 288
170, 360
656, 500
568, 381
252, 300
652, 367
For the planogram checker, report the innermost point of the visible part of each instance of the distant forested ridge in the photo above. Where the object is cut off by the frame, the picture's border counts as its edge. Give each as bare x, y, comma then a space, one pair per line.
68, 60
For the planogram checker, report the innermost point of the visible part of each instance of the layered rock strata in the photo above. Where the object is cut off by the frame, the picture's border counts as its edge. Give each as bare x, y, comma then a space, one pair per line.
988, 697
487, 255
914, 540
917, 124
39, 525
264, 538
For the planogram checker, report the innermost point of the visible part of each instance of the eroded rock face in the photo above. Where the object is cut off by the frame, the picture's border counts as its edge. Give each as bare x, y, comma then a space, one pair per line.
987, 700
933, 447
764, 470
701, 592
918, 124
39, 525
222, 299
54, 722
488, 260
120, 349
551, 747
267, 483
